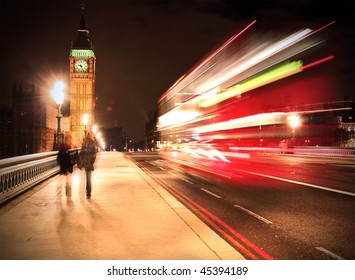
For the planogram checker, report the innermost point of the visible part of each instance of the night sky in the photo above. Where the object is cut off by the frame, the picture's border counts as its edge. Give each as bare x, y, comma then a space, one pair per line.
142, 47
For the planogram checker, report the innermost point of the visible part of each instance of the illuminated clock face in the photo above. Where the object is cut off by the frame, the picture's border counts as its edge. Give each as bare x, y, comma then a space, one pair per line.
81, 66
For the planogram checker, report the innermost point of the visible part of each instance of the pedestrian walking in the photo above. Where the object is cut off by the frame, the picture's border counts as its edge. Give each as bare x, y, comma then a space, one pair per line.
87, 159
63, 158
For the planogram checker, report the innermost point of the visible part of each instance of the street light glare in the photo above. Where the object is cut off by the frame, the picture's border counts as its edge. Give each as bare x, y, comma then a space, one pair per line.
294, 121
57, 92
85, 119
58, 95
59, 85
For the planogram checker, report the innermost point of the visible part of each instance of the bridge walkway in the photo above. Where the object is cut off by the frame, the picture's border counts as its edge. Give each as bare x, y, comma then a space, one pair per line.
129, 216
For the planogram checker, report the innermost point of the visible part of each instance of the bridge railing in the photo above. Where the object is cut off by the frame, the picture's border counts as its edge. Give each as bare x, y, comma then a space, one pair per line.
19, 174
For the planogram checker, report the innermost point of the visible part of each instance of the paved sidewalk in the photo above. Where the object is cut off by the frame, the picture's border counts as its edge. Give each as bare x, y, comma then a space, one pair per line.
129, 216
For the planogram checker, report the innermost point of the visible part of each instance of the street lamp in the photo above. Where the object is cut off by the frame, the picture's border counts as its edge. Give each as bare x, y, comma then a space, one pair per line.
94, 129
58, 95
294, 122
85, 121
98, 136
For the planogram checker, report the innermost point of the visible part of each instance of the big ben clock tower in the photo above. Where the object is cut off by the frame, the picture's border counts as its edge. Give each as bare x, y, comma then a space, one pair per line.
82, 84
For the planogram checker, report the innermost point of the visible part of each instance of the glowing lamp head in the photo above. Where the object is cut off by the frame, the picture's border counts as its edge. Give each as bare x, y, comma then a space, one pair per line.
58, 92
85, 119
294, 121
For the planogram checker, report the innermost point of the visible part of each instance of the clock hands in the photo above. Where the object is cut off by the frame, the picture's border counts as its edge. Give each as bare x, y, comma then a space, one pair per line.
81, 66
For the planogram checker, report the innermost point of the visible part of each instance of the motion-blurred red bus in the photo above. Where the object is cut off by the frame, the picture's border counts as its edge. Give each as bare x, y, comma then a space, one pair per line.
259, 91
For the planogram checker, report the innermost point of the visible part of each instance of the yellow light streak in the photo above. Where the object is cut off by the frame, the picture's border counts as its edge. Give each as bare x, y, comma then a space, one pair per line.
273, 75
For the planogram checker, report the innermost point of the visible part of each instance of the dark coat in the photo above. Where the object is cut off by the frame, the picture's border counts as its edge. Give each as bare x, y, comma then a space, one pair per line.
88, 154
64, 159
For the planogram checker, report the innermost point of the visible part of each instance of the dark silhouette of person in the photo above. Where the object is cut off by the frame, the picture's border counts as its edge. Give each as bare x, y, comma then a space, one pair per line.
63, 158
87, 159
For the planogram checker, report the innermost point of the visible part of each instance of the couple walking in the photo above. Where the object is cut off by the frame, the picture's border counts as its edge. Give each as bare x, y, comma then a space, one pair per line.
85, 160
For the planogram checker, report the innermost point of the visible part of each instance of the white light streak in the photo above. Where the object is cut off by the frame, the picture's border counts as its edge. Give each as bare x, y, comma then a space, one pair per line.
254, 120
268, 52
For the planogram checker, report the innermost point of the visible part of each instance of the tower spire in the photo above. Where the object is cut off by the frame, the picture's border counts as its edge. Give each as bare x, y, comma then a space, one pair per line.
83, 41
82, 81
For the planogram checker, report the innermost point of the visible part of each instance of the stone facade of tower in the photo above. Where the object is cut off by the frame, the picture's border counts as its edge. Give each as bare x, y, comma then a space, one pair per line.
82, 84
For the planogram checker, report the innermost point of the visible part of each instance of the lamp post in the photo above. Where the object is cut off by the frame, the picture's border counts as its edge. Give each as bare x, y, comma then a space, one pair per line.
85, 121
58, 95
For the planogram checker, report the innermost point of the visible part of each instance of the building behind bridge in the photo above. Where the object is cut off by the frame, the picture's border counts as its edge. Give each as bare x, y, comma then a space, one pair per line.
29, 126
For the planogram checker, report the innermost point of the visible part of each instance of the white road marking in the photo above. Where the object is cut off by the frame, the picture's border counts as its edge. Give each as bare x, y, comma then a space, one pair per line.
253, 214
335, 256
161, 168
211, 193
300, 183
171, 173
187, 181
